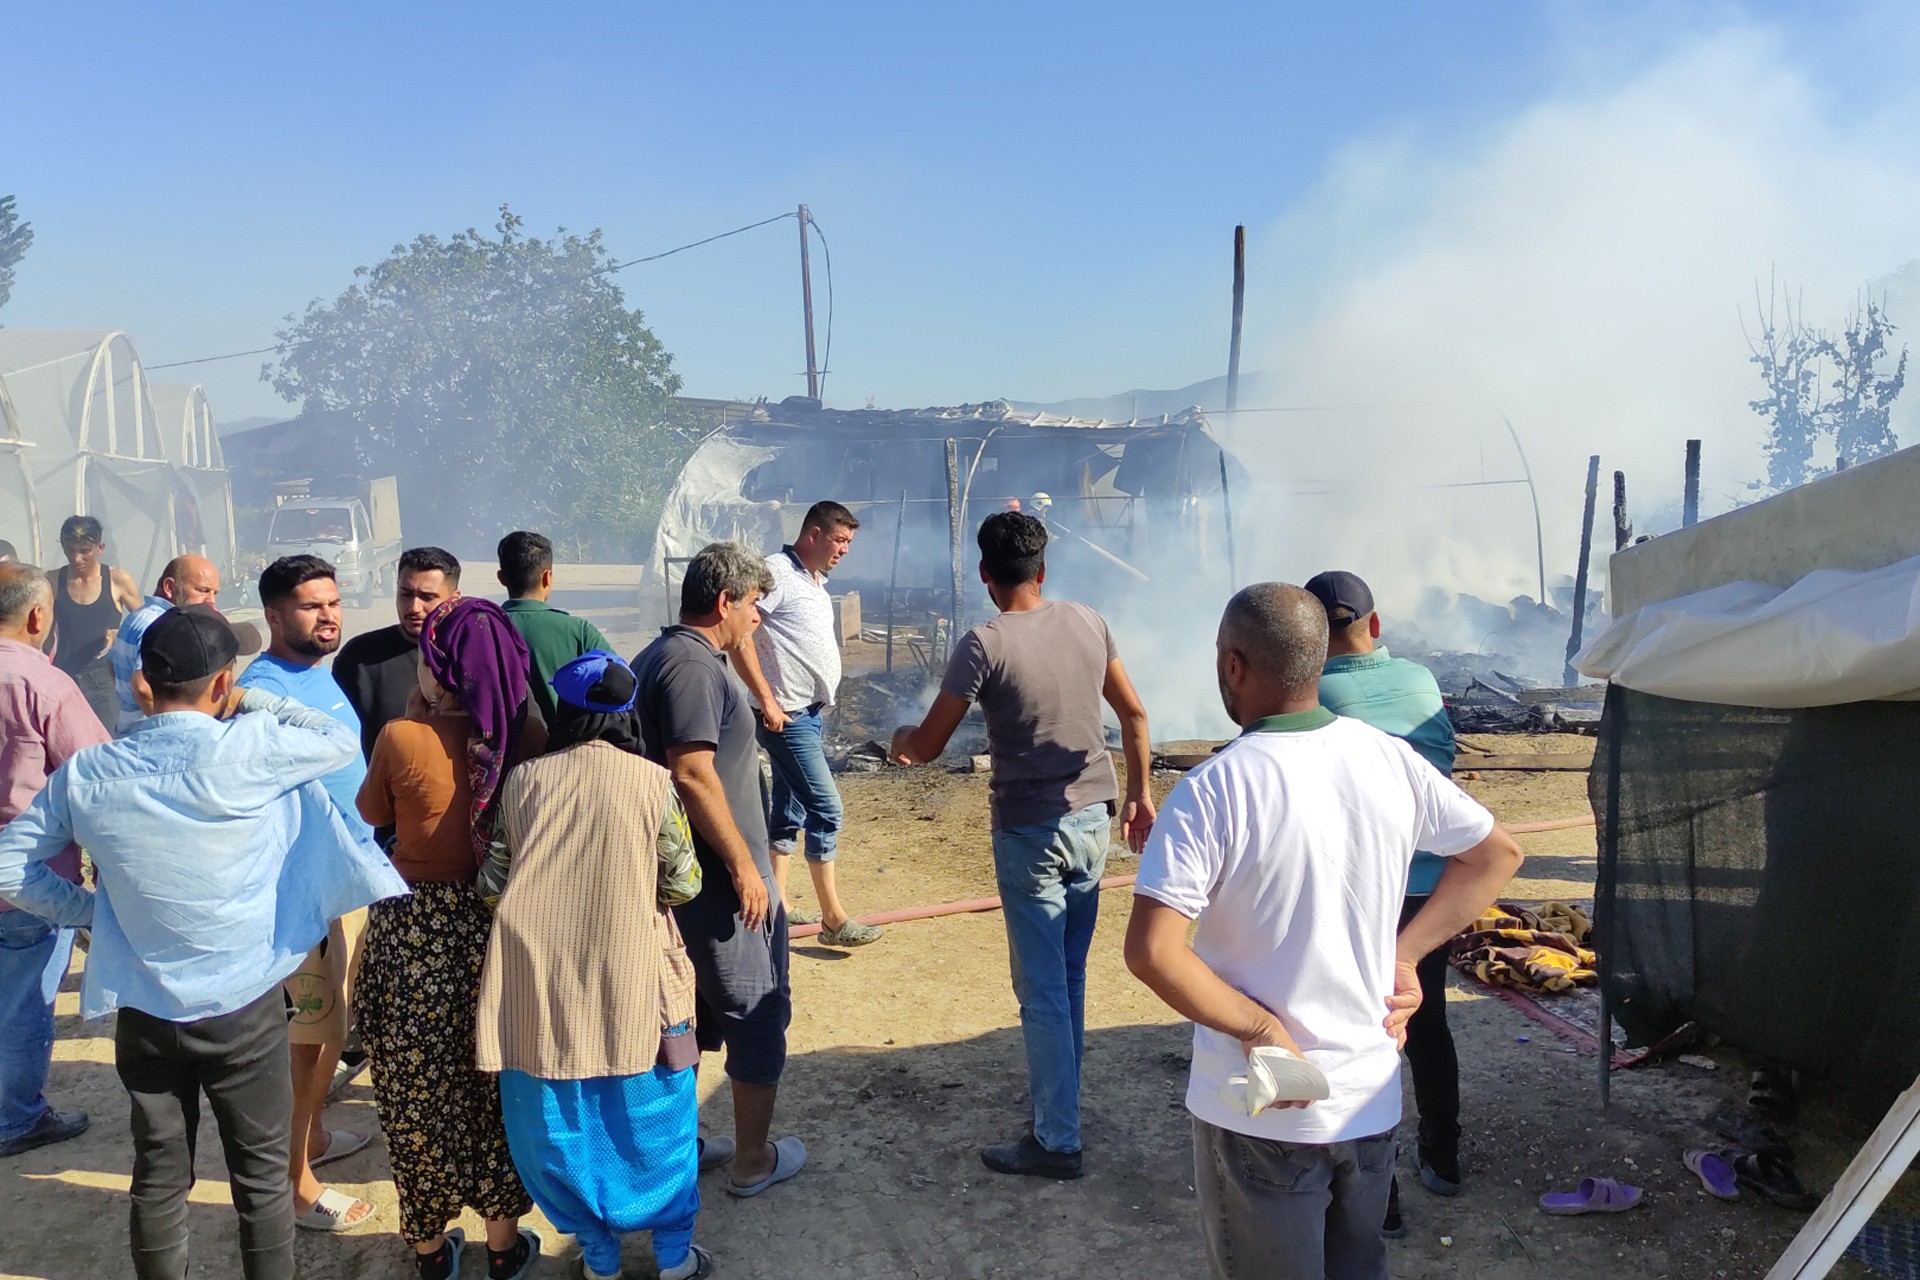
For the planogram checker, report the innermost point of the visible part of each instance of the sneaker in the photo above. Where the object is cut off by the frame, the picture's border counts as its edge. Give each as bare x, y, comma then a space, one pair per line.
1439, 1169
52, 1126
850, 934
1029, 1158
1394, 1227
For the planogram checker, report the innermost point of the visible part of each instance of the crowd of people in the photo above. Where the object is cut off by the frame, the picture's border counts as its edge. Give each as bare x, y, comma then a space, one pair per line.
536, 882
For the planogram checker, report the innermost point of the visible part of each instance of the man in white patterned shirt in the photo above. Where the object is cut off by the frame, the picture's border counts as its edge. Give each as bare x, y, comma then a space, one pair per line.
792, 671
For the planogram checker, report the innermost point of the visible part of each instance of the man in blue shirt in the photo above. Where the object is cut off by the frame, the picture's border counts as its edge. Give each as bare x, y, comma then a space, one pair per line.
1364, 681
219, 869
186, 580
301, 600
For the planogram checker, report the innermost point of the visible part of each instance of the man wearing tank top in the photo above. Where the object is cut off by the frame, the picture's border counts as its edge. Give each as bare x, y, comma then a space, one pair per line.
1040, 671
89, 597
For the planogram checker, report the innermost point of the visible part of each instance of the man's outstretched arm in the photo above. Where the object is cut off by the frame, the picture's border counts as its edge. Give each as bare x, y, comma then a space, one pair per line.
924, 743
1158, 954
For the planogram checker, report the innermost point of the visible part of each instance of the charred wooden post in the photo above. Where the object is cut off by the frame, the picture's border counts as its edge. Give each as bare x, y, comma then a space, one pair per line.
1622, 531
1690, 504
1580, 577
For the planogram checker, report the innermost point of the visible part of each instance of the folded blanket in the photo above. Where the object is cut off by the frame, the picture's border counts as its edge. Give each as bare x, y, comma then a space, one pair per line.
1539, 949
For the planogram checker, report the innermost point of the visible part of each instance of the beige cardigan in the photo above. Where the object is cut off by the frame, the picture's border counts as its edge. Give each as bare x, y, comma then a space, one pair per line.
584, 968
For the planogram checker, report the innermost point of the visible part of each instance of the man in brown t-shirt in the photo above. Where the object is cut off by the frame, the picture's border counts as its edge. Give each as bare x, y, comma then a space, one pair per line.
1040, 671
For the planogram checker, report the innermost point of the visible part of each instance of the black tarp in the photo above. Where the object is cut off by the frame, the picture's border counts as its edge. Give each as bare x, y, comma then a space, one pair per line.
1763, 880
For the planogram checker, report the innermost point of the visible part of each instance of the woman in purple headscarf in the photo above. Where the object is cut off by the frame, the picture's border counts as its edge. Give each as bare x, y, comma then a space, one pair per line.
434, 777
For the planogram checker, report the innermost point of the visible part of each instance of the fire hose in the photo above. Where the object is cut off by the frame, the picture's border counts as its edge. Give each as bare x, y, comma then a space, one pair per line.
971, 905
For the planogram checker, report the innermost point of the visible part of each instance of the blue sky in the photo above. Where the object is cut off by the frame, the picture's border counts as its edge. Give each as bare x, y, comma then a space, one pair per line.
1027, 200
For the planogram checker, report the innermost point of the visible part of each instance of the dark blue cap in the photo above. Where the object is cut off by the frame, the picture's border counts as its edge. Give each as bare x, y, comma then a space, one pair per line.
578, 682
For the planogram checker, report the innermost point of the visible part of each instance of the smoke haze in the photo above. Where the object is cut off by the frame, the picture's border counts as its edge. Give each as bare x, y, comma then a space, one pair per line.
1581, 269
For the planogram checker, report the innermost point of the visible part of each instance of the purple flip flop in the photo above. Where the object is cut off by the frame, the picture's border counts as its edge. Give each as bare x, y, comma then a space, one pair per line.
1593, 1195
1715, 1172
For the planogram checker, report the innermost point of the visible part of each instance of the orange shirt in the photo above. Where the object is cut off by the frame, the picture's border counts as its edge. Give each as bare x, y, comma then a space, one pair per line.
417, 784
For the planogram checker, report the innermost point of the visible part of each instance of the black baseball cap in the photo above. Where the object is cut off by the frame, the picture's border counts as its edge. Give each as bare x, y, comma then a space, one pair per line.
1345, 596
191, 643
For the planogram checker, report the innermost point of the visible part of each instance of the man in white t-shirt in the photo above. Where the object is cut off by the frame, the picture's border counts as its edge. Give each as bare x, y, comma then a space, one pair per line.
792, 672
1291, 848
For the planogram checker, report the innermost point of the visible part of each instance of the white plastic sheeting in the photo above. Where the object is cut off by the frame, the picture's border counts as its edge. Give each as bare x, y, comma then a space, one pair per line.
1833, 637
80, 435
706, 505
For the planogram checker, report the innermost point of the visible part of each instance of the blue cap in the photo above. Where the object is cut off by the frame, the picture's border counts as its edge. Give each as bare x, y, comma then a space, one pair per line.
576, 682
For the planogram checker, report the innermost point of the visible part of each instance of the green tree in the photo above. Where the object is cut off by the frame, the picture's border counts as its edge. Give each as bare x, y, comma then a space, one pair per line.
1861, 411
16, 237
1789, 355
506, 383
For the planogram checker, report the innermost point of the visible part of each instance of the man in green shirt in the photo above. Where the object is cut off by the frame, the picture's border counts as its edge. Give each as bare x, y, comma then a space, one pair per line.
554, 637
1395, 696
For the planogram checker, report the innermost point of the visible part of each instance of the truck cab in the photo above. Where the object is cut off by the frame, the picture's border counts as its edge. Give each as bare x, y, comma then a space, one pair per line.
358, 533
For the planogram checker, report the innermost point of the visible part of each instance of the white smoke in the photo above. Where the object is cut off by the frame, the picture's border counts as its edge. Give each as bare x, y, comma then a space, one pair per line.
1580, 269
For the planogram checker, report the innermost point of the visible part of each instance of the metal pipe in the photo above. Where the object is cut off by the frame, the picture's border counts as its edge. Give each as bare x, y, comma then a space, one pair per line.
1539, 538
1580, 578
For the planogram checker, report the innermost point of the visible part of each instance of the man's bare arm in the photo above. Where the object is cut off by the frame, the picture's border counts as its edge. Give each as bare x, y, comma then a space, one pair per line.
705, 801
1136, 816
746, 660
1471, 882
924, 744
1158, 954
127, 592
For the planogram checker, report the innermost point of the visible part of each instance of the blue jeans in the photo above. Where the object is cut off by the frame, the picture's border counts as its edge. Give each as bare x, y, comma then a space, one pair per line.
33, 959
804, 796
1049, 878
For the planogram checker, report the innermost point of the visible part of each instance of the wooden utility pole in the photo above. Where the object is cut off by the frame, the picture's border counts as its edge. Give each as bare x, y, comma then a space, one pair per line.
1580, 578
1239, 305
806, 306
1233, 392
956, 519
1690, 505
1622, 531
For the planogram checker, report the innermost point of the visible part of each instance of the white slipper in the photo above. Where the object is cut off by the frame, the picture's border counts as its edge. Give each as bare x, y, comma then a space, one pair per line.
341, 1143
1274, 1075
789, 1158
331, 1211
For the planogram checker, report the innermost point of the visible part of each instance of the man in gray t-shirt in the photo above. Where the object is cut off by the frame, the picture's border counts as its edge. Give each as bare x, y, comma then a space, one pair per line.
694, 720
1040, 671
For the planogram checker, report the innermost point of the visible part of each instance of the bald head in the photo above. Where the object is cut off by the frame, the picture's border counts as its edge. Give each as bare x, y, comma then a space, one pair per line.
24, 592
1272, 645
189, 580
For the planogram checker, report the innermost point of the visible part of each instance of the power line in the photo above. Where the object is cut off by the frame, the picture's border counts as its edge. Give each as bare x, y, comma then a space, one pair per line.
610, 267
655, 257
232, 355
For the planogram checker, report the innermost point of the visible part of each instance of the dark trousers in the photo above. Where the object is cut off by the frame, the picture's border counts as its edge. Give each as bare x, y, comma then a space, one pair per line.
1430, 1052
241, 1062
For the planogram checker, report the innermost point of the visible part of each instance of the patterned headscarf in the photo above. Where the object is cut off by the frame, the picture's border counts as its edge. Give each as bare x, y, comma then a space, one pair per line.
476, 653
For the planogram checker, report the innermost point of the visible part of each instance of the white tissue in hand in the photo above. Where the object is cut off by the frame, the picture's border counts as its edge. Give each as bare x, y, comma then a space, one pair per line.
1273, 1075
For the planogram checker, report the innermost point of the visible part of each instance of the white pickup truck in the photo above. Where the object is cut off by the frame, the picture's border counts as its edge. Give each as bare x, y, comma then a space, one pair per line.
356, 530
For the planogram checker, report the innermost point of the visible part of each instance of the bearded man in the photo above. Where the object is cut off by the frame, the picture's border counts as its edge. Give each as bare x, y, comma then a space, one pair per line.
301, 600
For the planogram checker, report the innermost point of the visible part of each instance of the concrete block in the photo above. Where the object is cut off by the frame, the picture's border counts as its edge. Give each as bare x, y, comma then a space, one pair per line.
846, 616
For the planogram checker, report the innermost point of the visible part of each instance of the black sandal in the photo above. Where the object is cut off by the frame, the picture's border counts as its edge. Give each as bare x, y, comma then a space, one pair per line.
1773, 1178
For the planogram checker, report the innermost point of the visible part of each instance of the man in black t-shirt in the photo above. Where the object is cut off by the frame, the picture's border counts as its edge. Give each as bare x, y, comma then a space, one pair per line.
695, 720
380, 670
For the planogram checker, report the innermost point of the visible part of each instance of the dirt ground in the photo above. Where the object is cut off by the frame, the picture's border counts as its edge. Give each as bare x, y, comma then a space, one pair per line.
906, 1058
